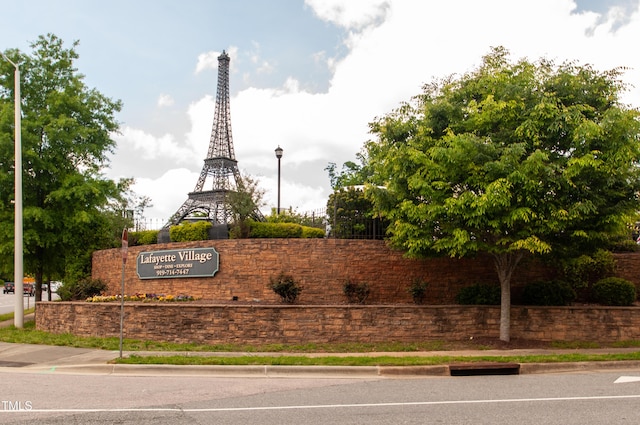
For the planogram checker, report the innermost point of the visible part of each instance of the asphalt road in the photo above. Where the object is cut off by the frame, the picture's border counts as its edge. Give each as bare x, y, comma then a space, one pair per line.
8, 301
581, 398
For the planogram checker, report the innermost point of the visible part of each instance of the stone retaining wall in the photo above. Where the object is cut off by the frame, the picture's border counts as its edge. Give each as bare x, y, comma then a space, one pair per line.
300, 324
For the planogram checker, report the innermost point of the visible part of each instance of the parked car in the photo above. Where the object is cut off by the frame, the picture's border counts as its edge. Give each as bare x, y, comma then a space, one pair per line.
29, 289
8, 287
54, 285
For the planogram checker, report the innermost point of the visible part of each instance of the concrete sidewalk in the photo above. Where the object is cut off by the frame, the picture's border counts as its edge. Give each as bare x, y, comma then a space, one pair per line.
30, 358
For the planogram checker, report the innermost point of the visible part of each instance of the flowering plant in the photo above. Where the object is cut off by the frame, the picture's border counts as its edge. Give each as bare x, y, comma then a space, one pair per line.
142, 298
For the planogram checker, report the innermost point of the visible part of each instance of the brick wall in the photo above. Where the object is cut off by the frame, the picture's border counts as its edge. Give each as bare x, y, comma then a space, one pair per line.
266, 324
321, 266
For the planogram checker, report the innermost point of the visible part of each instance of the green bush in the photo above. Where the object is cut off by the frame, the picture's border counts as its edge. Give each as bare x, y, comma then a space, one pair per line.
479, 294
81, 290
259, 229
614, 291
584, 271
555, 292
312, 232
286, 287
356, 293
186, 232
275, 230
624, 244
143, 237
418, 291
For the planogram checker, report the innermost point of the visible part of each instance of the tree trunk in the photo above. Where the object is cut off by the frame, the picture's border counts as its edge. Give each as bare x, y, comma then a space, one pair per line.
38, 286
505, 310
505, 264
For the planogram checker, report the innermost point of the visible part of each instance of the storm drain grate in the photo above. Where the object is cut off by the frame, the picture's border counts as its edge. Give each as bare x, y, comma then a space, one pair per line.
6, 363
477, 369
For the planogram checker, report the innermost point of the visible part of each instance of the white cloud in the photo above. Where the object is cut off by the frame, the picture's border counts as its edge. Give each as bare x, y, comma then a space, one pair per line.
150, 147
200, 115
167, 192
352, 13
262, 66
265, 68
208, 60
165, 100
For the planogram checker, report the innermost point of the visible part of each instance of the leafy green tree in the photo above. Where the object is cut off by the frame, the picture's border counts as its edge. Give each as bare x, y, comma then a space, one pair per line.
350, 214
244, 204
352, 174
511, 159
292, 215
66, 136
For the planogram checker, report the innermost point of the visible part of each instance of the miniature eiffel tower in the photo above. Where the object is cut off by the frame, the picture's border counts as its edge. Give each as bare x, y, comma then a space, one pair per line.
220, 163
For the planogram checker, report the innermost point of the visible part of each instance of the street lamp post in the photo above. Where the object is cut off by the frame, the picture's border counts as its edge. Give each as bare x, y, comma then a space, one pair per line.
18, 315
279, 156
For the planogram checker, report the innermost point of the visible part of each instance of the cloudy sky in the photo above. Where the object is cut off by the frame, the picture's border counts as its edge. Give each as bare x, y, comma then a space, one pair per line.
306, 75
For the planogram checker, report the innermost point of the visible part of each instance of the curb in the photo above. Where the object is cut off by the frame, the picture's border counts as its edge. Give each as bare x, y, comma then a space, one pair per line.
325, 372
535, 368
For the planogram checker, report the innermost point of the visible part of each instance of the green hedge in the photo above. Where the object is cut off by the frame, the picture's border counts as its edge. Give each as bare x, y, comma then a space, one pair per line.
554, 292
143, 237
614, 291
312, 232
186, 232
479, 294
283, 230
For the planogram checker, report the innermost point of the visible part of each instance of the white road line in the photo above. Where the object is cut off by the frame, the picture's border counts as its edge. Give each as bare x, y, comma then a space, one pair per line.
329, 406
627, 379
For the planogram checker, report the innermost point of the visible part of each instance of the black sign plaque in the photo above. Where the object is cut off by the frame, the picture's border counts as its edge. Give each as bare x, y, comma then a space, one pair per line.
189, 262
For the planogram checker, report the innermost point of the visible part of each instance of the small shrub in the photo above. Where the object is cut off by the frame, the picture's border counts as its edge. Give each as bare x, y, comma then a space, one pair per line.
186, 232
312, 232
614, 291
479, 294
555, 292
624, 244
81, 290
584, 271
283, 230
418, 291
286, 287
274, 230
356, 293
143, 237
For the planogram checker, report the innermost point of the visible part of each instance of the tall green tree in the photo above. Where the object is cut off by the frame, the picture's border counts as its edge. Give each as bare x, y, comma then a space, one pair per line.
352, 173
66, 136
511, 159
244, 205
350, 214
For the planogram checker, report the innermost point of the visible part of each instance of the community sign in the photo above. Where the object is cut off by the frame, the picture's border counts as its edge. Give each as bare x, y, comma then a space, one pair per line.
193, 262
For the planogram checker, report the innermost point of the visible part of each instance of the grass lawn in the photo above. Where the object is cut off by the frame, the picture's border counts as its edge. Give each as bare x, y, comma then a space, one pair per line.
304, 355
363, 360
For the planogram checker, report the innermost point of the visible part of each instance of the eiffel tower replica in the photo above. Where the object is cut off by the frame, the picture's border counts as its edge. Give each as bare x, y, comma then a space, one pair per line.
220, 164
